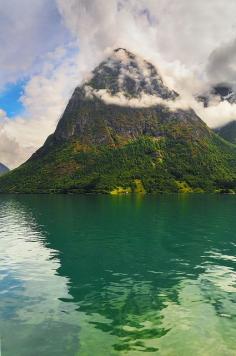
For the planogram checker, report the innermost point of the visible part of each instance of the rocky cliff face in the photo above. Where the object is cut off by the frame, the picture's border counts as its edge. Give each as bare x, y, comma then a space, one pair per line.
225, 92
122, 100
129, 75
122, 79
221, 92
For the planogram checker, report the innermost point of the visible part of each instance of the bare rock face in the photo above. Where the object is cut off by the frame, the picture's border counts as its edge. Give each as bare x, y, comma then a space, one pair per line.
125, 97
225, 92
221, 92
129, 75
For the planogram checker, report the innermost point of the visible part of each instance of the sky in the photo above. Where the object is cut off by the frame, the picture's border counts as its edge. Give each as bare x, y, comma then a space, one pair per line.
49, 47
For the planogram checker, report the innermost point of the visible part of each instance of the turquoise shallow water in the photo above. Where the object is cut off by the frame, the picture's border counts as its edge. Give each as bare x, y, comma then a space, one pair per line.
118, 275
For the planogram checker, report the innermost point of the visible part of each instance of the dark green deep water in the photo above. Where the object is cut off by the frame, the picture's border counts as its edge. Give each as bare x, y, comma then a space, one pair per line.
118, 275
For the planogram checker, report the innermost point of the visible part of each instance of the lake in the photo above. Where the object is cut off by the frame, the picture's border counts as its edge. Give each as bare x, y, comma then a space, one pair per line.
122, 275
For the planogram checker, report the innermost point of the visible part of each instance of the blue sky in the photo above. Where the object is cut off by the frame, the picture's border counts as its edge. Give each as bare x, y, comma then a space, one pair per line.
37, 72
10, 98
29, 30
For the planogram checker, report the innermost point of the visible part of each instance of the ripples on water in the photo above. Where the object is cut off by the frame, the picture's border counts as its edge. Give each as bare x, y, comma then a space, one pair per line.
118, 276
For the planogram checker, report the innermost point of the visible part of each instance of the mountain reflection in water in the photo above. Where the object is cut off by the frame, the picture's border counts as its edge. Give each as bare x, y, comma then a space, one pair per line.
125, 275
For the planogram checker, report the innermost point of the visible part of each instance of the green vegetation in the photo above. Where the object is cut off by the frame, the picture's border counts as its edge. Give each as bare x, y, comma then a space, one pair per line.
145, 164
228, 132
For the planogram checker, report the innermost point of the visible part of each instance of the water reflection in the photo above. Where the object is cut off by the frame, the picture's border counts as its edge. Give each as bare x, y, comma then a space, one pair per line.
106, 276
32, 317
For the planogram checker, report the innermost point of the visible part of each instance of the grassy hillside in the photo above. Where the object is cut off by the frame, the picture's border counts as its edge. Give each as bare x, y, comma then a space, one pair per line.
166, 164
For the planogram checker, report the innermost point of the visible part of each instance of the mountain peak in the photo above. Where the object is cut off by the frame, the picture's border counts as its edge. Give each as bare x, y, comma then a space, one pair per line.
225, 92
220, 91
124, 51
126, 74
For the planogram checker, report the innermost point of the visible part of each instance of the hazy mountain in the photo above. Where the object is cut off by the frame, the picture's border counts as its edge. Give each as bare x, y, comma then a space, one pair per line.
228, 132
121, 131
3, 169
224, 92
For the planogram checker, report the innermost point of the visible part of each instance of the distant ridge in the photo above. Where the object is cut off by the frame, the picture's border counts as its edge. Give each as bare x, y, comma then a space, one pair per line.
228, 132
223, 92
3, 169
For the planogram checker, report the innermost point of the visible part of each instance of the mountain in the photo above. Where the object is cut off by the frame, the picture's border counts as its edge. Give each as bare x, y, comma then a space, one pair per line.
228, 132
121, 132
224, 92
3, 169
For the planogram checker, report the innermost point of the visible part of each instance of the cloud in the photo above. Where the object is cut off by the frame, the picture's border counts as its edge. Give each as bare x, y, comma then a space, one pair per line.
45, 97
2, 114
178, 34
11, 152
142, 101
216, 115
28, 30
221, 67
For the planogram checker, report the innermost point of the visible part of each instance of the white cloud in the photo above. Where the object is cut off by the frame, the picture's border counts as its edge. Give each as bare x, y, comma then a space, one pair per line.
216, 115
28, 30
178, 34
221, 67
3, 114
45, 97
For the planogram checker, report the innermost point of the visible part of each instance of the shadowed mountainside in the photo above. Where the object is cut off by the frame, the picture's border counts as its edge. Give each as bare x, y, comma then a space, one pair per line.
3, 169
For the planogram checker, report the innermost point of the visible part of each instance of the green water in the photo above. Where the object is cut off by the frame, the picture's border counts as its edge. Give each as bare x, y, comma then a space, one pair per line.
118, 275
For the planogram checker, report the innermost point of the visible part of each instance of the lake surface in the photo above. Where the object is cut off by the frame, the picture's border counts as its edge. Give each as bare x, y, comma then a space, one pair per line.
118, 275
